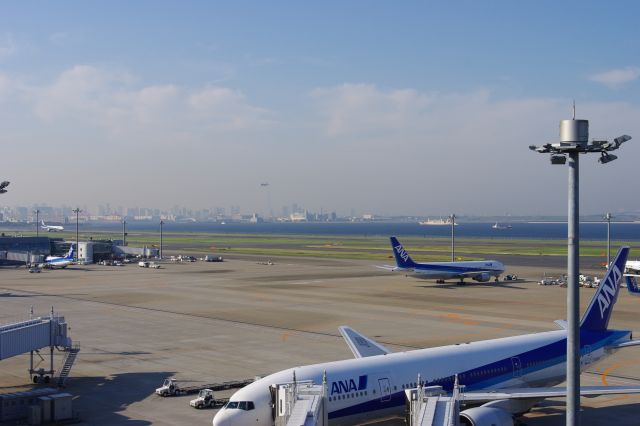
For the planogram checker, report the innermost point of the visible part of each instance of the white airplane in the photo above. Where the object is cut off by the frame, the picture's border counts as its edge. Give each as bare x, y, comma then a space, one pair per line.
52, 228
57, 262
481, 271
503, 377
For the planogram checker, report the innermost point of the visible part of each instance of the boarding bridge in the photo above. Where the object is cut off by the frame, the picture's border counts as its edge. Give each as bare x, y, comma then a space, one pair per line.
300, 403
431, 406
35, 334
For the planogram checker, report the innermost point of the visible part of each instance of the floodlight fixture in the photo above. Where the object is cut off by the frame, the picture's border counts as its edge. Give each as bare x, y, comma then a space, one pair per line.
558, 159
605, 158
3, 186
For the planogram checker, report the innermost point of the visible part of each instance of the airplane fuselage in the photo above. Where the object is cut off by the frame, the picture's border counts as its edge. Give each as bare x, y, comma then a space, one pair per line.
371, 387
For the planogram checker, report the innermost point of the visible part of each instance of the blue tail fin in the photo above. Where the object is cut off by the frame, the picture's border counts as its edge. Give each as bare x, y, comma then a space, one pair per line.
599, 311
632, 285
403, 260
70, 253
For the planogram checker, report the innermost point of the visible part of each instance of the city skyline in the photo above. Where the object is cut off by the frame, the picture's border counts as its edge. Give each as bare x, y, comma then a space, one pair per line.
393, 109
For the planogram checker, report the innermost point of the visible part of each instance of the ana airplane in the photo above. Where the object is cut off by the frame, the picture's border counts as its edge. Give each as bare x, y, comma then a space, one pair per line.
481, 271
503, 377
52, 228
56, 262
632, 266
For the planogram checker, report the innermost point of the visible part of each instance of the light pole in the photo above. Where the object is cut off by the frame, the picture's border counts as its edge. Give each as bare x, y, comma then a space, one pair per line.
608, 218
77, 212
453, 237
574, 135
124, 231
161, 224
37, 212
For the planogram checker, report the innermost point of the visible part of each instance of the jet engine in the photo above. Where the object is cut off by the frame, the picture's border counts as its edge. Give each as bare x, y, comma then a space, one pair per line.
486, 416
483, 277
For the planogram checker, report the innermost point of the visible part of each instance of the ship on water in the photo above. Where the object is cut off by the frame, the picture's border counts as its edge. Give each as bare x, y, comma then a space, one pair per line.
437, 222
500, 226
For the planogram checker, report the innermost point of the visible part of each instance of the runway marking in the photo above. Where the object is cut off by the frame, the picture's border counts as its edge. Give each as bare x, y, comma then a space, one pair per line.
615, 367
458, 318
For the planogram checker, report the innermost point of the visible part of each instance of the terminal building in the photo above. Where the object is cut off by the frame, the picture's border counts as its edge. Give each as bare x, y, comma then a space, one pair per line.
15, 251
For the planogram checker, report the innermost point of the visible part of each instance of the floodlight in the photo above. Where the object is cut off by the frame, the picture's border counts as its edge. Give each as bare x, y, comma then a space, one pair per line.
606, 158
621, 139
558, 159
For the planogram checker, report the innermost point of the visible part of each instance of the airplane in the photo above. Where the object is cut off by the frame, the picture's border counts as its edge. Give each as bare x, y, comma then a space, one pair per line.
632, 285
52, 228
632, 266
480, 271
503, 377
57, 262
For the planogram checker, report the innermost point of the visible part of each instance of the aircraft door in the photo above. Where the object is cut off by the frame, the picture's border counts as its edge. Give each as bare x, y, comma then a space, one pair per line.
385, 389
517, 366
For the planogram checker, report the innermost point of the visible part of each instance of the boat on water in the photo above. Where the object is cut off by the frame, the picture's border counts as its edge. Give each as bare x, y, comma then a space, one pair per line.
500, 227
437, 222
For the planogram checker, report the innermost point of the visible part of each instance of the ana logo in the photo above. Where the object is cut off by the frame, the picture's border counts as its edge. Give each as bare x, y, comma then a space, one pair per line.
350, 385
400, 250
608, 290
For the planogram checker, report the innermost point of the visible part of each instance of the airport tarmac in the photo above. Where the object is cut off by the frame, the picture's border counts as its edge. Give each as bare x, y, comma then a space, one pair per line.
213, 322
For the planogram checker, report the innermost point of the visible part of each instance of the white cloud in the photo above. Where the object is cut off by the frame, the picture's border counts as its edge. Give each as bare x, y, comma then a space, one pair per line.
615, 79
92, 96
363, 108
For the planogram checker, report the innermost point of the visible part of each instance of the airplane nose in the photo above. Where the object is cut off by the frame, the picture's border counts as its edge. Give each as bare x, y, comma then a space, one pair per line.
222, 419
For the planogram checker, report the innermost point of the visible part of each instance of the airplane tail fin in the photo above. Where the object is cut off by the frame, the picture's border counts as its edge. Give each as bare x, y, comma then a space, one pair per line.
70, 253
43, 222
403, 260
598, 313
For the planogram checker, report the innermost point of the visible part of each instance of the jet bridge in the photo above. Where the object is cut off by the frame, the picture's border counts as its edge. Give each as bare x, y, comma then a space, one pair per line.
300, 403
35, 334
431, 406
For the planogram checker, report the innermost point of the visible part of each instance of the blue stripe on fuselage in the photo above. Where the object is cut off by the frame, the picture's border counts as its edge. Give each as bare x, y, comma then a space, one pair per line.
545, 356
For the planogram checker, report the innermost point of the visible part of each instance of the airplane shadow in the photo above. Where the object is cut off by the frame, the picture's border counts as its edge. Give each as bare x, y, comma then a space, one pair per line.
455, 286
552, 413
9, 294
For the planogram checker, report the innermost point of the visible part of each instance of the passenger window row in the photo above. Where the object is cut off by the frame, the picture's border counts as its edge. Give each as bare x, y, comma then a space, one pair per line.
348, 396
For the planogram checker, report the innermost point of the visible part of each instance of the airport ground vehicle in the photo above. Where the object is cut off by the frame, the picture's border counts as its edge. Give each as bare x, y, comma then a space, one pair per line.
206, 399
143, 264
170, 387
212, 258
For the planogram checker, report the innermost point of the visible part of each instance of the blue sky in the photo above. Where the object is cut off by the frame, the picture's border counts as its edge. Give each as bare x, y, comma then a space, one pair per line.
387, 107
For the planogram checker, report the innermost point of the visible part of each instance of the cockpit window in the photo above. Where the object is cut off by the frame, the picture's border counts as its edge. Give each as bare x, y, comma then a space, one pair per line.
242, 405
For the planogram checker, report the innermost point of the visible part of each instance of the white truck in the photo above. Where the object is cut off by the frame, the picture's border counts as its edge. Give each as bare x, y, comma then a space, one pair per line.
205, 399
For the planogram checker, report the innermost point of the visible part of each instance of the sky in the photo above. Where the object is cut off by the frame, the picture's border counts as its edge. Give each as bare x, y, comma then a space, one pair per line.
393, 108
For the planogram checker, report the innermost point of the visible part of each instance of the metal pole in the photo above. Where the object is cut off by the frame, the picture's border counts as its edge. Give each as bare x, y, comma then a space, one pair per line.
37, 223
161, 223
453, 237
608, 217
77, 250
124, 232
573, 296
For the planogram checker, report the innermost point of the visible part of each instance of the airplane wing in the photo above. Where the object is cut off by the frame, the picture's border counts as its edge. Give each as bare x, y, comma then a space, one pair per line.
549, 392
389, 268
360, 345
562, 324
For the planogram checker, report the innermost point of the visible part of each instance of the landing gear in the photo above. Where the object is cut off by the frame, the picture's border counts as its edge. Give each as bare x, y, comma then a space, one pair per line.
41, 376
